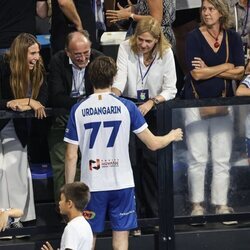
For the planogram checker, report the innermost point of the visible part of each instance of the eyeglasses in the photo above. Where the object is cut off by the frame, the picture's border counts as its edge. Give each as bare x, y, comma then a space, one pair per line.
81, 54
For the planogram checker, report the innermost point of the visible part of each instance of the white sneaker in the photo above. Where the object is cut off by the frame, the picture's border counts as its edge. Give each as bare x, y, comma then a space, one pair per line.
198, 211
6, 238
226, 210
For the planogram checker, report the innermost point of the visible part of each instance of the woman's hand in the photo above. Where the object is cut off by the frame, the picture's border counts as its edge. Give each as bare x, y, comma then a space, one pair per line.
146, 107
247, 70
13, 104
198, 63
117, 15
38, 108
47, 246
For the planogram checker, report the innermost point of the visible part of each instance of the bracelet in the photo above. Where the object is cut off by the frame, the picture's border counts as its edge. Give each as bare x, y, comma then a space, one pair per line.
29, 102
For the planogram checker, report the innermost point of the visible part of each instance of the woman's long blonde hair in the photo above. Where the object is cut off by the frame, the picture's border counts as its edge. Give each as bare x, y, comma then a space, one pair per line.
22, 78
152, 26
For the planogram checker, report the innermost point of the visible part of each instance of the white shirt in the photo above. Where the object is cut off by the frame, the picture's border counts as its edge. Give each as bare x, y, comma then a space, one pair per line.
77, 235
160, 80
101, 125
78, 80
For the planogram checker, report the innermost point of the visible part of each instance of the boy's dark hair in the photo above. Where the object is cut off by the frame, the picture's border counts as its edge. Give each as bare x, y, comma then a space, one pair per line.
78, 193
102, 71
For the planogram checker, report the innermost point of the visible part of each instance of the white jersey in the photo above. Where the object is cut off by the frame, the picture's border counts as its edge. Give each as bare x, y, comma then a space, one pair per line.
77, 235
101, 126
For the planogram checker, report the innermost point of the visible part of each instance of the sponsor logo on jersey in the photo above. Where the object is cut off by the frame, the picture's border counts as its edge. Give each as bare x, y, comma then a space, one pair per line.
94, 164
97, 164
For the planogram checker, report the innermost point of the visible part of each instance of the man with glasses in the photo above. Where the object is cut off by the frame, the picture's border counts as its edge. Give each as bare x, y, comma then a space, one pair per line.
68, 83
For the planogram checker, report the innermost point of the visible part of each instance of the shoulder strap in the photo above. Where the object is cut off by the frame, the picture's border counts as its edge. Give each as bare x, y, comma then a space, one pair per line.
224, 94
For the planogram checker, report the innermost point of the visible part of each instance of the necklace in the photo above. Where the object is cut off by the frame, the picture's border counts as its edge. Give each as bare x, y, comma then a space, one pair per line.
216, 38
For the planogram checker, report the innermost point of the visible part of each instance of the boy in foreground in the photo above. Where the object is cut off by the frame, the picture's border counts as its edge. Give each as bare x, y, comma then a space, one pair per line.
77, 235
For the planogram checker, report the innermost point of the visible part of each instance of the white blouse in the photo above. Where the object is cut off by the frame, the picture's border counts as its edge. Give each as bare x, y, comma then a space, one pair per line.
160, 80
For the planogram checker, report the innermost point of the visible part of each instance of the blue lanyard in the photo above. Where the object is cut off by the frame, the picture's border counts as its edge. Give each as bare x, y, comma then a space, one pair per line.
143, 76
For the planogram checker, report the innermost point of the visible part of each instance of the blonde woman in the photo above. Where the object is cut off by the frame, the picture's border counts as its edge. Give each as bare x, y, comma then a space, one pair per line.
146, 73
146, 68
22, 88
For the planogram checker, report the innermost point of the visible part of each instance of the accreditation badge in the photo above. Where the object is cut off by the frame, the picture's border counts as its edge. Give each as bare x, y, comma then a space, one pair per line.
142, 95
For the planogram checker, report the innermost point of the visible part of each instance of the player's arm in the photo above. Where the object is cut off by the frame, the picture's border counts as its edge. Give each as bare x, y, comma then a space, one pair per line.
42, 8
157, 142
243, 90
71, 156
69, 10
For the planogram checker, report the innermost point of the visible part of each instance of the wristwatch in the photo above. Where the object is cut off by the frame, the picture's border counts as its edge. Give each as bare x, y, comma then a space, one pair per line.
155, 101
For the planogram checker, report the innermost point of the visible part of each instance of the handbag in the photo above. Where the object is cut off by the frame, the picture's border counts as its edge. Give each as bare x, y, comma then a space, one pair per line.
214, 111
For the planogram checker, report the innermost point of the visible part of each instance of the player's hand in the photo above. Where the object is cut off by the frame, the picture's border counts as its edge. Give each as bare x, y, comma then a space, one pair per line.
177, 134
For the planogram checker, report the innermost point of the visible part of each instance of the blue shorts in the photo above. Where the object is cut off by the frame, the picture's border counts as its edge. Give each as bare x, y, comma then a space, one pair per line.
118, 204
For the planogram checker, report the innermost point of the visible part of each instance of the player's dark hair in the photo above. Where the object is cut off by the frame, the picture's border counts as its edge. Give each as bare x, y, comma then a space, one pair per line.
102, 72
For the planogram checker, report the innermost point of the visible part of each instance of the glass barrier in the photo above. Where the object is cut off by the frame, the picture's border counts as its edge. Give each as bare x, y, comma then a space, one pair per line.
204, 179
211, 166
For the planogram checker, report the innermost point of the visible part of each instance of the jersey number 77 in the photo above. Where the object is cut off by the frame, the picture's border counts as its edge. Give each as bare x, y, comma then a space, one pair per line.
95, 126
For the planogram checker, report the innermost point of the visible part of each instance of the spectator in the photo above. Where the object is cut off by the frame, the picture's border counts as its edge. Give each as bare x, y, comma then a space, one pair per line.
243, 90
240, 9
162, 10
23, 88
214, 57
68, 83
100, 126
68, 16
146, 73
17, 17
77, 234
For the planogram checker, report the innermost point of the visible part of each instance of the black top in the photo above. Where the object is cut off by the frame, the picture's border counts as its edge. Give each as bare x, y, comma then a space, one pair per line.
60, 80
21, 125
61, 26
197, 46
16, 16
